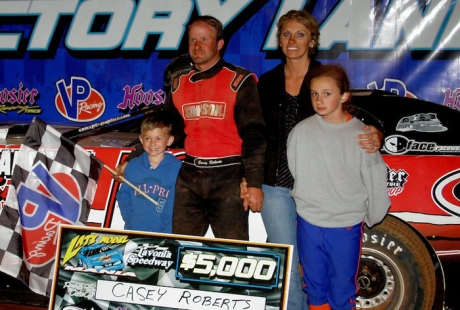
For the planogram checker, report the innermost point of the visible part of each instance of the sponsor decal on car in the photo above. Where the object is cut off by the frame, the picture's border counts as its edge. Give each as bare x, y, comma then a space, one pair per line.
446, 192
398, 145
424, 122
6, 168
396, 181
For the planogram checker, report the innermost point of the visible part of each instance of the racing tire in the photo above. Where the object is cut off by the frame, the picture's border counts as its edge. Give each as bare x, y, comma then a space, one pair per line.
396, 271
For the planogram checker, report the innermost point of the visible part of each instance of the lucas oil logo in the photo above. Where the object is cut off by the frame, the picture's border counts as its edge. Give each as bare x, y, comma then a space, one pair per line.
78, 101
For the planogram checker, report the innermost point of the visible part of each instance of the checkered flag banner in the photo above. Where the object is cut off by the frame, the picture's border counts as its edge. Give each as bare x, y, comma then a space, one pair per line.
53, 182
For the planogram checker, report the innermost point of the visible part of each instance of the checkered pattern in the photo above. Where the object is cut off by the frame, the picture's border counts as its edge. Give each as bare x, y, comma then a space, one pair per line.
43, 144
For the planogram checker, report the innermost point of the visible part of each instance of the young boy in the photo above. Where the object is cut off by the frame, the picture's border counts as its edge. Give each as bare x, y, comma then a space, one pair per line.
155, 173
337, 187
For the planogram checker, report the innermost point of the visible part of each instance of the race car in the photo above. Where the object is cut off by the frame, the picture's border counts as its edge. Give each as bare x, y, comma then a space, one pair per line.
100, 256
401, 265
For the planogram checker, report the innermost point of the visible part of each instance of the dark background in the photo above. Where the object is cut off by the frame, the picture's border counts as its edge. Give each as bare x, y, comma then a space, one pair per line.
451, 266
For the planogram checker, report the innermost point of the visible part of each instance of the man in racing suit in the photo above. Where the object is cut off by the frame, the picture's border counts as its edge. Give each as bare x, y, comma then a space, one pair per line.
225, 139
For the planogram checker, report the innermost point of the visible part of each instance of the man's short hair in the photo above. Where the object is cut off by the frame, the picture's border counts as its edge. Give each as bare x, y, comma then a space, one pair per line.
211, 21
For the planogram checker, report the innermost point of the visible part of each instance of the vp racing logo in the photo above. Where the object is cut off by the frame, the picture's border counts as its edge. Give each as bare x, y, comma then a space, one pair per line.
446, 192
47, 200
398, 145
394, 86
78, 101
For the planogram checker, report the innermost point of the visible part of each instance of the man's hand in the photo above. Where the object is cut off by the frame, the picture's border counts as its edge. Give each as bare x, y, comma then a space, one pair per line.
120, 169
371, 141
255, 199
244, 194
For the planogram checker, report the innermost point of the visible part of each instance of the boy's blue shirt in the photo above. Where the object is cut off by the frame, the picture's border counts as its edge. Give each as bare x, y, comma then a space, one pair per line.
137, 211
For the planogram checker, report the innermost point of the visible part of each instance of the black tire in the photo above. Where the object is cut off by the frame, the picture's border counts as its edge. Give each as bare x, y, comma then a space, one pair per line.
396, 271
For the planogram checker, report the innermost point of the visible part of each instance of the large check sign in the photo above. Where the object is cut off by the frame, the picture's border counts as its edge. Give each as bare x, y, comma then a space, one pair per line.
99, 268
